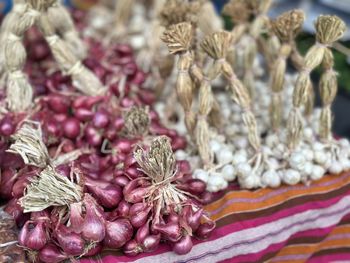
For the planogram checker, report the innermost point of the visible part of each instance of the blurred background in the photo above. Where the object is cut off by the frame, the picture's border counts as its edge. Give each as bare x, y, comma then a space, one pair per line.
312, 9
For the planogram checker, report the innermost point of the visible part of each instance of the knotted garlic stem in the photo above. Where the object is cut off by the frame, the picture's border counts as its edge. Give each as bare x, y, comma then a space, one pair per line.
259, 9
63, 23
83, 78
216, 46
286, 27
241, 96
328, 90
179, 39
328, 30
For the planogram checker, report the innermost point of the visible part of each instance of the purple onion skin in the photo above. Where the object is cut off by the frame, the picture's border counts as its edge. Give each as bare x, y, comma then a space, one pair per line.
118, 233
183, 246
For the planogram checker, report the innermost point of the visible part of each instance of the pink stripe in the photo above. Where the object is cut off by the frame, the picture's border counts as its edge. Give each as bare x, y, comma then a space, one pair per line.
276, 247
228, 229
345, 257
220, 232
280, 191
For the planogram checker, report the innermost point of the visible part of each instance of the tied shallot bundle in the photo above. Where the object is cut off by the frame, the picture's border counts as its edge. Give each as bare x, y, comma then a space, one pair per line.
160, 208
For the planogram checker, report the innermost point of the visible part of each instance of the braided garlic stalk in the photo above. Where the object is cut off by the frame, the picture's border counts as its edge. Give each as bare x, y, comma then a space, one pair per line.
216, 46
286, 27
63, 23
328, 83
178, 38
19, 91
328, 30
83, 78
260, 9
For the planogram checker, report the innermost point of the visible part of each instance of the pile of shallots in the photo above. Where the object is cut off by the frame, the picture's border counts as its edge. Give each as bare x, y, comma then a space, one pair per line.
130, 192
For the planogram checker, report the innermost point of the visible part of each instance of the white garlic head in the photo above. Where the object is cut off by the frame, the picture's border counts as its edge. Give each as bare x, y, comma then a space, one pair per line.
297, 161
291, 177
271, 179
201, 175
228, 172
244, 170
317, 172
335, 167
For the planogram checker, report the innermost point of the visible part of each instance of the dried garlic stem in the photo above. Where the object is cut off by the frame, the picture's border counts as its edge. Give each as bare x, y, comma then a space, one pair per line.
277, 82
122, 13
83, 78
260, 9
286, 27
241, 96
63, 23
328, 90
19, 91
216, 46
179, 39
328, 30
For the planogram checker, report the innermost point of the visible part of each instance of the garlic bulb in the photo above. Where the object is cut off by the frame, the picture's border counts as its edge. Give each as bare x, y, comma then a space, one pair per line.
250, 182
320, 157
244, 170
335, 167
297, 161
239, 158
201, 175
317, 172
271, 179
215, 146
291, 177
228, 172
216, 183
181, 155
224, 156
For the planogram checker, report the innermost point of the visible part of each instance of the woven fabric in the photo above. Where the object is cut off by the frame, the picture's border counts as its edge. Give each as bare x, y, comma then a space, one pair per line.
289, 224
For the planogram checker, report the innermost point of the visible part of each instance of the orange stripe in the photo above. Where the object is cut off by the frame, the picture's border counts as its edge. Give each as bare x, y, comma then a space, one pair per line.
292, 193
312, 248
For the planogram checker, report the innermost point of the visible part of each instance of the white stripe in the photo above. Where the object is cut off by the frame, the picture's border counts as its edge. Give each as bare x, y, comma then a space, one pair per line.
260, 231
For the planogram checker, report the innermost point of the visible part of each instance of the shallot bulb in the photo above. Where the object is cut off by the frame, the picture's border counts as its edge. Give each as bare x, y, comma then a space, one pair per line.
33, 235
151, 242
51, 254
191, 217
183, 246
133, 193
205, 229
93, 228
70, 242
75, 217
108, 196
170, 231
118, 233
132, 248
139, 214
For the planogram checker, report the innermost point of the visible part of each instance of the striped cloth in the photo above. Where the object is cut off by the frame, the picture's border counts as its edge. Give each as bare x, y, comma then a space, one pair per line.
289, 224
